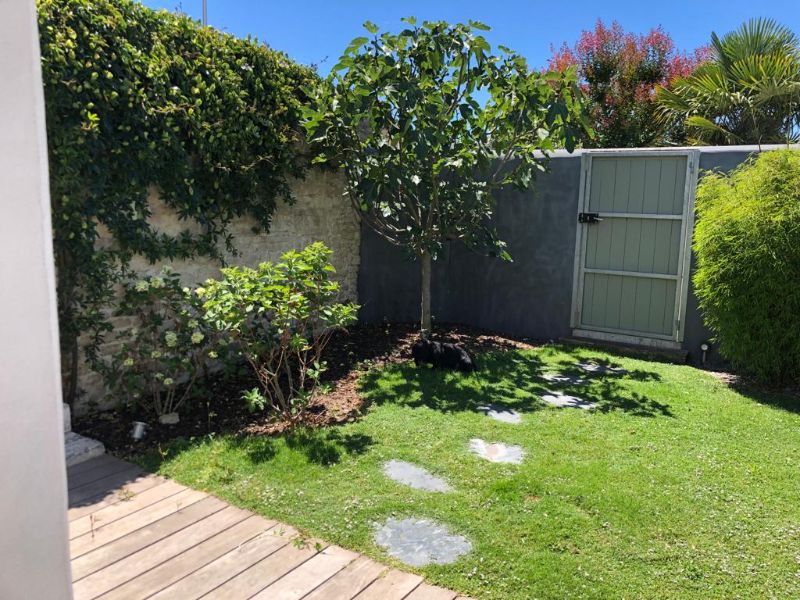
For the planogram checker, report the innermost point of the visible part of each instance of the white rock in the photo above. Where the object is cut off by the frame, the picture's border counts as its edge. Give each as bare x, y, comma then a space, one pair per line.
497, 452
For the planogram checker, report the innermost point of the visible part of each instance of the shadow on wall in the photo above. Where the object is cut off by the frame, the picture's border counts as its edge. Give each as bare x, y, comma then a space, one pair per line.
508, 380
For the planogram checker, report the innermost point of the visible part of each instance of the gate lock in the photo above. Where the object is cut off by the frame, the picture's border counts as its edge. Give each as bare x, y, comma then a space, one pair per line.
589, 218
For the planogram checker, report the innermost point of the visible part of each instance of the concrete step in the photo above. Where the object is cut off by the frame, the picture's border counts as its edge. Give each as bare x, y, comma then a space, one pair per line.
79, 449
76, 447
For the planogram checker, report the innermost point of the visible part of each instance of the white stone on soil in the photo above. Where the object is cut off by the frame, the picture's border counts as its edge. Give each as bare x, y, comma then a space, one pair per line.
414, 476
497, 452
79, 449
420, 542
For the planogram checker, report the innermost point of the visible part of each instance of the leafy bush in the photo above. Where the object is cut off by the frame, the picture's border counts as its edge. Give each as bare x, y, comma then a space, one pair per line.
281, 317
137, 100
162, 356
747, 241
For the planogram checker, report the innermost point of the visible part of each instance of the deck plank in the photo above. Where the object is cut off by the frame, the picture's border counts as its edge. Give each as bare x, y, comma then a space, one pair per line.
86, 493
135, 536
89, 465
151, 556
113, 495
349, 581
87, 564
394, 585
108, 514
227, 566
264, 572
299, 582
105, 534
188, 562
430, 592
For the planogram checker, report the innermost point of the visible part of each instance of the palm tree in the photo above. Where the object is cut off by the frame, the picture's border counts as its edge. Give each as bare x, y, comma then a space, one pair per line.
748, 93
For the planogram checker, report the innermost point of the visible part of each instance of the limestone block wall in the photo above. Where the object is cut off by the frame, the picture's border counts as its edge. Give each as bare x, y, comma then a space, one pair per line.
320, 213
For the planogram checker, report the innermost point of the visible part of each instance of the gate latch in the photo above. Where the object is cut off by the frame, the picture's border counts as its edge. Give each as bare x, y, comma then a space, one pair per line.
589, 218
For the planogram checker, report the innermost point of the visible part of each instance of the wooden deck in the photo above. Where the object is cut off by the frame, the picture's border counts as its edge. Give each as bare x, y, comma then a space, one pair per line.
134, 535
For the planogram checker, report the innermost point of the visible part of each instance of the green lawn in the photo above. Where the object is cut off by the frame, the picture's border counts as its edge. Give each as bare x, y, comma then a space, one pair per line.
676, 487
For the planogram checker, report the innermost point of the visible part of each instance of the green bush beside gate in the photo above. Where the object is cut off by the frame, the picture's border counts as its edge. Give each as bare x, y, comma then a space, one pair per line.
747, 241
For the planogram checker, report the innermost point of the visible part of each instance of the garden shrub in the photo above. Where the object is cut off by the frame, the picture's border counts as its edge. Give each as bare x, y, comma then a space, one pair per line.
281, 317
747, 241
139, 100
162, 356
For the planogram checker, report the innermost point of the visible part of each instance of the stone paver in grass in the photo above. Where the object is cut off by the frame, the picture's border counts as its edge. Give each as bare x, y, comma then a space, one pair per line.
565, 378
414, 476
598, 369
420, 542
501, 413
497, 452
560, 400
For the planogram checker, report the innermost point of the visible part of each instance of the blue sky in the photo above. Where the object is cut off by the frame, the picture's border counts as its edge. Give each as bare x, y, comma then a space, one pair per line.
316, 31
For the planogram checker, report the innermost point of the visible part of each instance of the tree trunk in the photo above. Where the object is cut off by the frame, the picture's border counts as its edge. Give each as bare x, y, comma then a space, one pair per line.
425, 288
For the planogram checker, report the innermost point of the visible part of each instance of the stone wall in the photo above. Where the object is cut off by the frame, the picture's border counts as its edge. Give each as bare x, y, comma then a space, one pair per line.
320, 213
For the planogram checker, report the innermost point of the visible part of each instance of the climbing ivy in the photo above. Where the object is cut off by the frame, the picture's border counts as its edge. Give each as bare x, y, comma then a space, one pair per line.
139, 100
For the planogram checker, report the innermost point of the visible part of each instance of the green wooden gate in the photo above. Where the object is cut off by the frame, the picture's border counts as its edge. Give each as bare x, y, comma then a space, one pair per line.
633, 245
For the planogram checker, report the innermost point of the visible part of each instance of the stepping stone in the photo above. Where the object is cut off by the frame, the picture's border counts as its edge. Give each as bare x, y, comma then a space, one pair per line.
560, 400
497, 452
419, 542
499, 413
591, 367
414, 476
565, 378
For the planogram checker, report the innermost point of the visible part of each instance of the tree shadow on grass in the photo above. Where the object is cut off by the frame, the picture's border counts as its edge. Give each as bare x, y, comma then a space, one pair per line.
320, 446
510, 380
785, 399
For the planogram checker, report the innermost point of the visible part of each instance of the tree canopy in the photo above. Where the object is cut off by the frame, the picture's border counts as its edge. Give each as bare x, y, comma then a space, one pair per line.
620, 72
426, 123
748, 93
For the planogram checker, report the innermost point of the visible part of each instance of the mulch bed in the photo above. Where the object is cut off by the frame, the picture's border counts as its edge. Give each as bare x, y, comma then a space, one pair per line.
348, 355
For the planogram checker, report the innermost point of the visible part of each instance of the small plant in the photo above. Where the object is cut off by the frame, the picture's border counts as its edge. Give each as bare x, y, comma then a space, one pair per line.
281, 317
162, 356
747, 241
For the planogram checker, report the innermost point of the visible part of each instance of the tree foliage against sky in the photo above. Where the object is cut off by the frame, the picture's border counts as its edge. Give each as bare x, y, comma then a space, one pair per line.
427, 123
620, 72
748, 93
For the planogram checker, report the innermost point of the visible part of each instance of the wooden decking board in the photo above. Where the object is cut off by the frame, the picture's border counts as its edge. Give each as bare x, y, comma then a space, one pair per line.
188, 562
263, 573
113, 496
302, 580
113, 512
104, 534
107, 469
154, 555
89, 465
348, 582
136, 536
394, 585
87, 564
88, 491
227, 566
430, 592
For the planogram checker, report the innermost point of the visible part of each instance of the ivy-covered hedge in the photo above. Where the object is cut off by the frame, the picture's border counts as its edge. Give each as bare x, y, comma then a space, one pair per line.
747, 241
137, 99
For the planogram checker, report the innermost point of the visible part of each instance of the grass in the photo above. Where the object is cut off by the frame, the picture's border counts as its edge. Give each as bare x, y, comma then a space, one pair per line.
676, 487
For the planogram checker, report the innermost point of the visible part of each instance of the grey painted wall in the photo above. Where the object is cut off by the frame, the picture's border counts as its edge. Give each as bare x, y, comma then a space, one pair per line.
529, 297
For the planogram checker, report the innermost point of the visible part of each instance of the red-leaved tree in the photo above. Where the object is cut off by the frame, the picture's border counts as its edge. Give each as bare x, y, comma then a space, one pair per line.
620, 72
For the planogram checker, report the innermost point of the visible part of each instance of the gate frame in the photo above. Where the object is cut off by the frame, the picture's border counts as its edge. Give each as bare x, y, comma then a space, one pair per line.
684, 257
